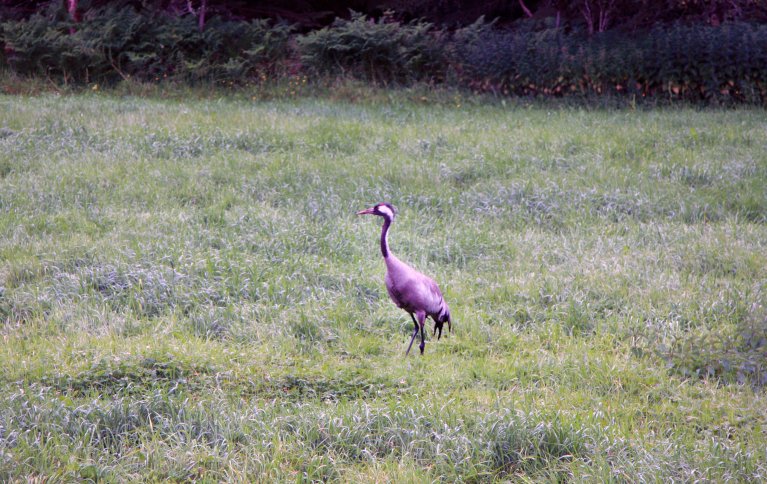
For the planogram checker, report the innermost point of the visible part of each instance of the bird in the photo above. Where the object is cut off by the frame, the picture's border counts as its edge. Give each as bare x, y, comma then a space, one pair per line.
409, 289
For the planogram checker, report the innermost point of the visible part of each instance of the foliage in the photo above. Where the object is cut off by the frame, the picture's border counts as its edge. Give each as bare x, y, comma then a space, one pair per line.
676, 61
117, 41
690, 62
383, 50
622, 14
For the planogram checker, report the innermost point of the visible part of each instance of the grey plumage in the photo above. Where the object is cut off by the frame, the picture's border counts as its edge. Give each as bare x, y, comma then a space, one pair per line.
410, 290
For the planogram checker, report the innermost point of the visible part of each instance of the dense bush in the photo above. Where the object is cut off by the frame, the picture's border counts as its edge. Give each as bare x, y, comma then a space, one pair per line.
379, 51
117, 41
677, 61
512, 61
670, 61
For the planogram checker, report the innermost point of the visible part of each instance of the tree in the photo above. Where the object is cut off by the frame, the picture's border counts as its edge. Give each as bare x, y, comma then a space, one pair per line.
73, 14
597, 14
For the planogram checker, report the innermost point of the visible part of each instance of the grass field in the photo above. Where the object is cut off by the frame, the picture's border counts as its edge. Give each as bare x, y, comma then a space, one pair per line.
187, 294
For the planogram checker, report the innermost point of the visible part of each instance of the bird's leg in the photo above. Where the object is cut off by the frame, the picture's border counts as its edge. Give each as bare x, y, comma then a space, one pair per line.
415, 333
422, 323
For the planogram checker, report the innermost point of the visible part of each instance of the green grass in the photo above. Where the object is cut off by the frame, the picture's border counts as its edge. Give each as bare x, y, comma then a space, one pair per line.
187, 294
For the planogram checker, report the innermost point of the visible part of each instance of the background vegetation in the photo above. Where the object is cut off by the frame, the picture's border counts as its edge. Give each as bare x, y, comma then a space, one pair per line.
711, 52
186, 293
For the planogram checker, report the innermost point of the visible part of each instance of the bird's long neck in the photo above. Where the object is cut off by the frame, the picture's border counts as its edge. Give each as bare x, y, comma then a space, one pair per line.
385, 237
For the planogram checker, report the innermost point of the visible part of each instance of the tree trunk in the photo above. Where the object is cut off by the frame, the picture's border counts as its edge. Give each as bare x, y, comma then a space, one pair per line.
199, 13
72, 10
527, 11
597, 14
201, 16
586, 11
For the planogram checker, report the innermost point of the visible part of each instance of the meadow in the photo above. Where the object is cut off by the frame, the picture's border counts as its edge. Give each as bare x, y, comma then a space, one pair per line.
186, 293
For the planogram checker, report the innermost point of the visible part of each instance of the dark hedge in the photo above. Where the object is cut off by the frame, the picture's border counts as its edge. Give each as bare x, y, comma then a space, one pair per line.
693, 62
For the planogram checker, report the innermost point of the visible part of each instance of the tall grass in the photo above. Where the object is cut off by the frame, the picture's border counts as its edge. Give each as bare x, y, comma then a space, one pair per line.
186, 293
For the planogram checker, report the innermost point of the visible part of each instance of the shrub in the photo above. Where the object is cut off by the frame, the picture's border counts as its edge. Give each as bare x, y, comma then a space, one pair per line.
670, 61
41, 45
700, 62
228, 50
675, 61
379, 51
117, 41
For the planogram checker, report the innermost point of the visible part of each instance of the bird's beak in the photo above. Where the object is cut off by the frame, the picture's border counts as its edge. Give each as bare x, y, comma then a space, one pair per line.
367, 211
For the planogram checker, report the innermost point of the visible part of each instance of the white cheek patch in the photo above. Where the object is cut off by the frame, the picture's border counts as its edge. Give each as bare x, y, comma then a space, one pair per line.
386, 211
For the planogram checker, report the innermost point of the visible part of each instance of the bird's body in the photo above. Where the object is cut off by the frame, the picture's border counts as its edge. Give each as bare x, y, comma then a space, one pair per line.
410, 290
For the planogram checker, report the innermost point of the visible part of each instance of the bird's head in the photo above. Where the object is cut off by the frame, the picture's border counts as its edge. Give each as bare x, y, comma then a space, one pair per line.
385, 210
444, 317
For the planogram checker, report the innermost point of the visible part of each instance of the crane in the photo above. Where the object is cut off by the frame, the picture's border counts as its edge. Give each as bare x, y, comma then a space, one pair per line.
410, 290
